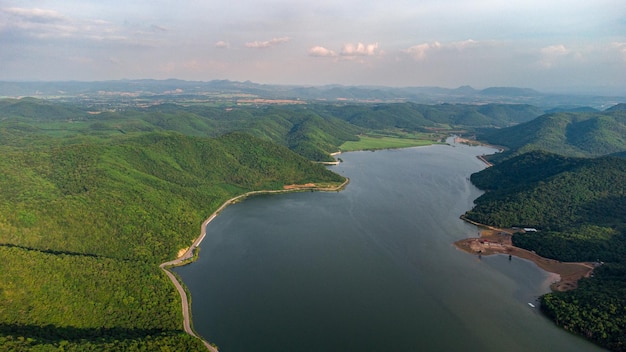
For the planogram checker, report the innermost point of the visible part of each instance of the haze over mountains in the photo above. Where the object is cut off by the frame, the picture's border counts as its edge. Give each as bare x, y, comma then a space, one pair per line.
225, 90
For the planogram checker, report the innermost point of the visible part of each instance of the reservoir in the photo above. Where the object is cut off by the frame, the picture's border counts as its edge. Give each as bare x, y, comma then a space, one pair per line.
370, 268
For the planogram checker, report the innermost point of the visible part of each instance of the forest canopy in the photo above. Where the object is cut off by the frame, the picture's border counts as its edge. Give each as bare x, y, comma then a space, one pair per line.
578, 206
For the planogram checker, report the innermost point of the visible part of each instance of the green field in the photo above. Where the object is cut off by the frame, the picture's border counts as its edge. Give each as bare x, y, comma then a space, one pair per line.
387, 142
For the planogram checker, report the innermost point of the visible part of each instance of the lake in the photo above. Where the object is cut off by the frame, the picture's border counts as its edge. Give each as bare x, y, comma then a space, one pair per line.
370, 268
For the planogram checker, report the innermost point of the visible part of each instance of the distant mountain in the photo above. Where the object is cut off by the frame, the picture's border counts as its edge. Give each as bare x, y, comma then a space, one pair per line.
224, 90
510, 91
570, 134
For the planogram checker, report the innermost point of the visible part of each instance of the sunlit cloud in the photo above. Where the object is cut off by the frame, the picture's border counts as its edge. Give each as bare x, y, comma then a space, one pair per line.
421, 51
321, 51
268, 43
360, 49
222, 44
465, 44
551, 54
418, 52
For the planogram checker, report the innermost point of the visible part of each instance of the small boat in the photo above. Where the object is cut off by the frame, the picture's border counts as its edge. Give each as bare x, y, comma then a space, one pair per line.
531, 305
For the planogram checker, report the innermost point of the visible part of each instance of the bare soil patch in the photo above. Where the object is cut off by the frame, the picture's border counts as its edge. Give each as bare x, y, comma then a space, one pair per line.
306, 185
494, 241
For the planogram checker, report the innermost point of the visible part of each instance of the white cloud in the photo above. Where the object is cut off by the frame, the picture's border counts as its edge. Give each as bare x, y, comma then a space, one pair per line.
49, 24
620, 47
222, 44
465, 44
418, 52
34, 15
321, 51
551, 54
360, 49
268, 43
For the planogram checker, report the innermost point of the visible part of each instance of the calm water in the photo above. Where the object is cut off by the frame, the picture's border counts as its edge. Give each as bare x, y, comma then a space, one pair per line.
371, 268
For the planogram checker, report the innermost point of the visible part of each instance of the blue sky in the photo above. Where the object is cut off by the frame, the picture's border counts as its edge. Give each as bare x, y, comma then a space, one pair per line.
547, 45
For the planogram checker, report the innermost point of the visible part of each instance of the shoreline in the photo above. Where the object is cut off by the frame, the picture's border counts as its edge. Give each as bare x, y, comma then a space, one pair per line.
188, 256
494, 240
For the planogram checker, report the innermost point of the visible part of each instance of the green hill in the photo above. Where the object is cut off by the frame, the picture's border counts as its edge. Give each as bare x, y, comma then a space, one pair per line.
570, 134
311, 130
84, 226
417, 117
300, 129
579, 207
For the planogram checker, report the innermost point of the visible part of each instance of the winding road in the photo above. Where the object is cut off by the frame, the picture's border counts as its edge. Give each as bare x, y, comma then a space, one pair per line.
188, 255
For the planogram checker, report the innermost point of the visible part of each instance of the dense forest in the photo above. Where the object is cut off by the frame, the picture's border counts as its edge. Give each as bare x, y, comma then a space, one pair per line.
579, 134
578, 206
311, 130
85, 222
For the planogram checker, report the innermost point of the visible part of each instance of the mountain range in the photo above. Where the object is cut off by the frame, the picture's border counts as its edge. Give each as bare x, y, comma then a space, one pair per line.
173, 90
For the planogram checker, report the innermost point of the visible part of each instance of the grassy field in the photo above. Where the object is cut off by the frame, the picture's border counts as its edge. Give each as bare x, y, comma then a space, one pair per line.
388, 142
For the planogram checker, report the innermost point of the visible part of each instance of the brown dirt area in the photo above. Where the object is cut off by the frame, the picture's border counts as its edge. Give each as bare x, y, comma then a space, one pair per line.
306, 185
492, 241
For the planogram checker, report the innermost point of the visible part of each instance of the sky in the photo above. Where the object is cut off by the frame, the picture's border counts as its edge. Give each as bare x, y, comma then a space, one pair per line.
548, 45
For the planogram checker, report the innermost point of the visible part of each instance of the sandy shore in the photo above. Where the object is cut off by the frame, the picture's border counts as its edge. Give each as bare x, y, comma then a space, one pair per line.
498, 241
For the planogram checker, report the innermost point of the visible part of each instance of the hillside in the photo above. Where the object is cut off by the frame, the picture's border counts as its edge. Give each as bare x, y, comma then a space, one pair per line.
572, 134
418, 117
312, 130
579, 207
83, 227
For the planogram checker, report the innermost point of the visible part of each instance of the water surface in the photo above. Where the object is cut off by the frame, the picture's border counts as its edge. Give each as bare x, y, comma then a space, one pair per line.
371, 268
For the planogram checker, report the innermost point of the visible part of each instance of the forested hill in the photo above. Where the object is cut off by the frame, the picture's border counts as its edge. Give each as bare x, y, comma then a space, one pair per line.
84, 225
311, 130
553, 193
579, 207
415, 116
572, 134
150, 191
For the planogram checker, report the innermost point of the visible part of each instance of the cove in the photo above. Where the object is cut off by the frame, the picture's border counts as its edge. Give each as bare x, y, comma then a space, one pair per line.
370, 268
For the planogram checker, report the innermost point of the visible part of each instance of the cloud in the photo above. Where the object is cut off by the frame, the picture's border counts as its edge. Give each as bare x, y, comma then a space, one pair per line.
34, 15
49, 24
551, 54
360, 49
222, 44
268, 43
321, 51
465, 44
620, 48
418, 52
